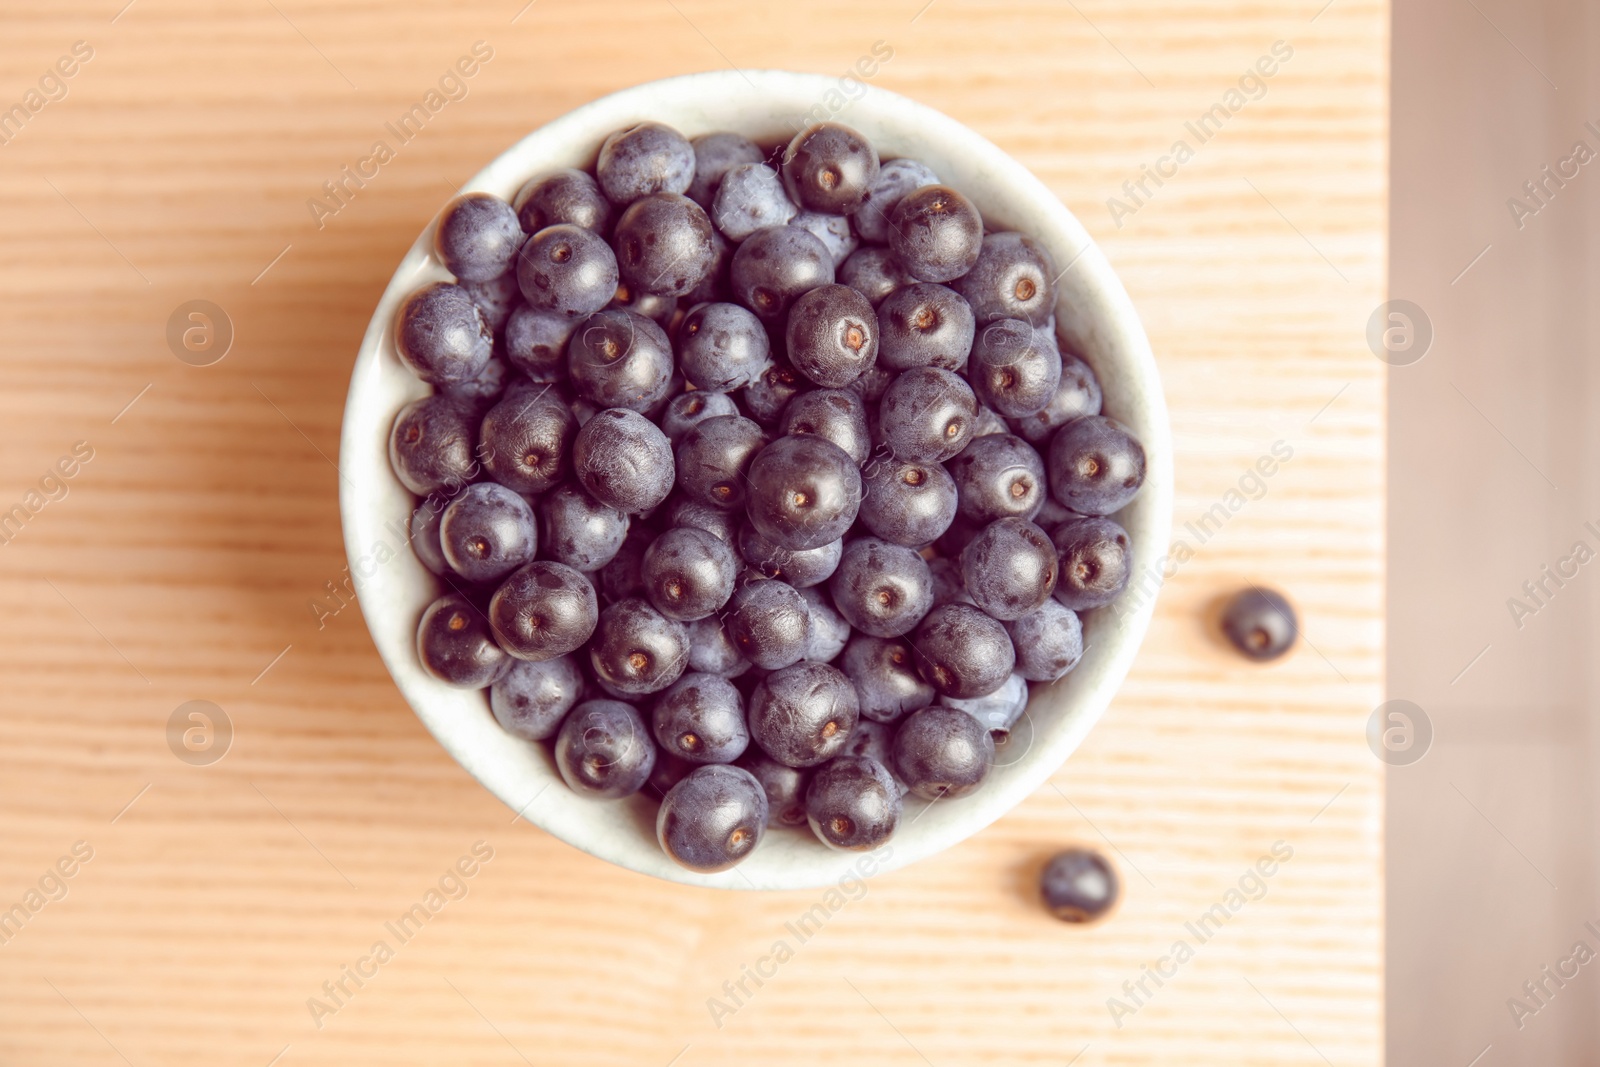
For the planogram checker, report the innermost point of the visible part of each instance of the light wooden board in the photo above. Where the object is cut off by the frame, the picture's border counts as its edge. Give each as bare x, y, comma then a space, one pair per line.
183, 561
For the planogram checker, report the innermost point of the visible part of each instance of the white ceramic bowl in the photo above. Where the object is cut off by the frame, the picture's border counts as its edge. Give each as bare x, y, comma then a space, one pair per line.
1095, 317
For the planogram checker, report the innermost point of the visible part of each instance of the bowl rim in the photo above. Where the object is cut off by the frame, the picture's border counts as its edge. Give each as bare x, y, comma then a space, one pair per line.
502, 763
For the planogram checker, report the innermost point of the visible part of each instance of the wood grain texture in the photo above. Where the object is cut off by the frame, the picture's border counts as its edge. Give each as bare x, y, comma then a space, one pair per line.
187, 553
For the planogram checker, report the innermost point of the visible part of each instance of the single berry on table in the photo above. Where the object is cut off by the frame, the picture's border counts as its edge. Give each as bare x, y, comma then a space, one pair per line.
1079, 885
1260, 623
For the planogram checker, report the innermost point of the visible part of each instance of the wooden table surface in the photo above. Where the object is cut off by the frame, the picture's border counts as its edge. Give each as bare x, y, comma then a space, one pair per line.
183, 559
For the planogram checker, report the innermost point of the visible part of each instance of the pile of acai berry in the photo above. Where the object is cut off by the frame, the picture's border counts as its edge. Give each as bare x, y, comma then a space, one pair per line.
758, 480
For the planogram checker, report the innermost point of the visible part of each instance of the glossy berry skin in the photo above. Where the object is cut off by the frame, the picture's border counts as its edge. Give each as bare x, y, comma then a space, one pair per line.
884, 672
567, 269
882, 589
769, 623
543, 610
942, 752
853, 803
714, 155
1009, 569
1012, 370
1079, 886
526, 444
936, 233
925, 325
530, 699
785, 787
832, 335
997, 711
751, 198
487, 532
712, 651
687, 410
713, 818
478, 237
423, 535
636, 649
536, 342
688, 573
713, 460
803, 492
579, 530
431, 445
772, 267
1013, 278
829, 631
1260, 623
663, 245
722, 347
566, 196
441, 336
802, 715
874, 273
604, 750
701, 719
455, 646
766, 398
643, 159
623, 459
1096, 465
999, 476
836, 415
1078, 395
907, 503
718, 522
832, 230
801, 568
962, 652
896, 178
830, 168
1049, 642
927, 415
1095, 561
620, 359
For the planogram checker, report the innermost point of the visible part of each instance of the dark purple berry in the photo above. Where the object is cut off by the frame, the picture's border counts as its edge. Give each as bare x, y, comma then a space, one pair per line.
712, 819
750, 198
701, 719
1079, 886
722, 347
644, 159
936, 233
962, 652
530, 699
1049, 642
496, 297
487, 532
431, 445
776, 265
769, 623
829, 630
579, 530
714, 155
942, 752
1095, 561
567, 196
636, 649
478, 237
1012, 370
832, 230
927, 415
874, 273
907, 503
620, 359
543, 610
836, 415
1013, 278
832, 335
712, 651
831, 168
896, 178
803, 492
853, 803
455, 645
718, 522
567, 269
1260, 623
999, 476
536, 342
624, 460
1096, 465
785, 787
441, 335
663, 245
882, 589
713, 459
687, 410
884, 672
1077, 396
925, 325
604, 749
526, 443
423, 535
688, 574
803, 715
800, 568
766, 398
1009, 569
